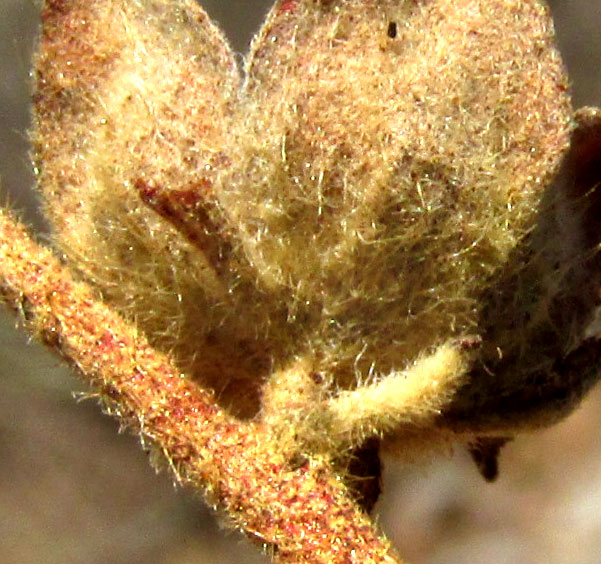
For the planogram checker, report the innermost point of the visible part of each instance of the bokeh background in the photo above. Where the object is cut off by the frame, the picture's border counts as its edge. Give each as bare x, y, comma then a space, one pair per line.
74, 491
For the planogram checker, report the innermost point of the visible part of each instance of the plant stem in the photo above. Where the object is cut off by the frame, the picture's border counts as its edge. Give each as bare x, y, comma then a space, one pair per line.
299, 514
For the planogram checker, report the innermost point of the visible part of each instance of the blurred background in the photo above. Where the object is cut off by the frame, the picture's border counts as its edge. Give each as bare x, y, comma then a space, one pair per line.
74, 491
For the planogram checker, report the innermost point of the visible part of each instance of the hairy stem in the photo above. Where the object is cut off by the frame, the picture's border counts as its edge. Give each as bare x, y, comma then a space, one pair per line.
301, 514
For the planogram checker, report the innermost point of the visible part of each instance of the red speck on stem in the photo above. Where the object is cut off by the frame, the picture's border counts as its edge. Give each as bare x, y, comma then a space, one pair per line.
107, 341
288, 5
